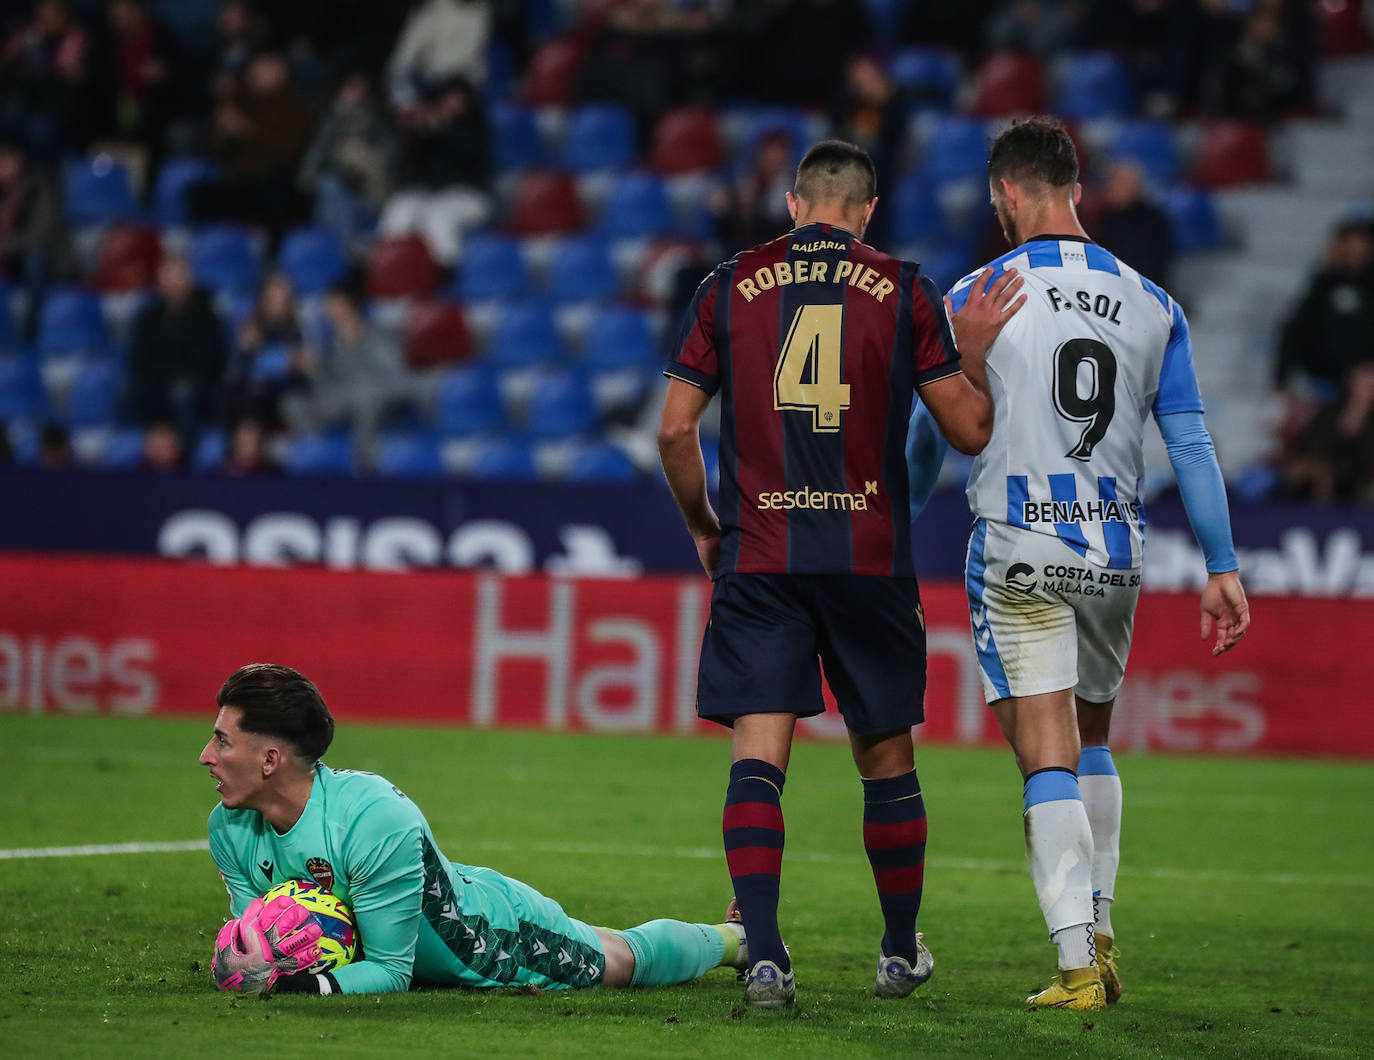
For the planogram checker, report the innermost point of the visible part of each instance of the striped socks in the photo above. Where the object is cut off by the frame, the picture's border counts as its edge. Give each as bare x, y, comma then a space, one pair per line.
753, 829
895, 841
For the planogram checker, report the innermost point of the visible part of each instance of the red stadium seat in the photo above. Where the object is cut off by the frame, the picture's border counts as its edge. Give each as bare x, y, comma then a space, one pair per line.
437, 334
401, 267
1232, 152
545, 204
1343, 28
129, 258
686, 140
1009, 83
552, 71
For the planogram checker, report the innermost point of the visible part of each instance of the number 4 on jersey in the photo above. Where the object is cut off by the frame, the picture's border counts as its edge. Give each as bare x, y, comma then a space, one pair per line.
808, 374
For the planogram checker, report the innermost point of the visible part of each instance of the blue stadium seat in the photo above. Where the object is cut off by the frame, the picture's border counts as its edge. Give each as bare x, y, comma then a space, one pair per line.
957, 147
319, 454
503, 458
1093, 85
312, 258
409, 454
599, 136
124, 449
271, 364
492, 267
762, 122
97, 190
1150, 145
212, 448
173, 179
516, 140
581, 268
22, 395
70, 322
561, 406
468, 402
93, 394
600, 462
525, 334
637, 206
1196, 222
619, 337
948, 265
916, 214
926, 76
223, 259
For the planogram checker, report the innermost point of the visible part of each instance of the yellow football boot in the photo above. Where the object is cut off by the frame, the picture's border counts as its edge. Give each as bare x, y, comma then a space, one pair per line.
1107, 956
1076, 988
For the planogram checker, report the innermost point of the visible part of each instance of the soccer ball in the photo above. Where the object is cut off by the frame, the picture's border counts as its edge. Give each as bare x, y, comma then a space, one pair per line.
338, 932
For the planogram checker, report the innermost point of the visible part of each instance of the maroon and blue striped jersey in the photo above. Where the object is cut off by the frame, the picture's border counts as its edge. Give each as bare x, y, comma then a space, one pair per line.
816, 344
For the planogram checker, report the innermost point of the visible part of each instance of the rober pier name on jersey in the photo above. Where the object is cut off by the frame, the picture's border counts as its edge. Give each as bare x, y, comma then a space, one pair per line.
808, 270
1080, 511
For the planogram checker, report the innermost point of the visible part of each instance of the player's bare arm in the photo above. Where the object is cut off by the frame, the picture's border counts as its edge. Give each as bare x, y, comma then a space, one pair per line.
679, 449
1224, 604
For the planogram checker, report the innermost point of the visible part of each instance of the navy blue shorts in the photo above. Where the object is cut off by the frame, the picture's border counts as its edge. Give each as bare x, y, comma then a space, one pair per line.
769, 635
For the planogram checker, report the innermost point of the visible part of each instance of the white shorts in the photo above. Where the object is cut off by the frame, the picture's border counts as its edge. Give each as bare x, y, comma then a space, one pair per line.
1044, 618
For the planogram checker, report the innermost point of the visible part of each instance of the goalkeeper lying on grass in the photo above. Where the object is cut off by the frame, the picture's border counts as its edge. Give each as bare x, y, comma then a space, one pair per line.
284, 815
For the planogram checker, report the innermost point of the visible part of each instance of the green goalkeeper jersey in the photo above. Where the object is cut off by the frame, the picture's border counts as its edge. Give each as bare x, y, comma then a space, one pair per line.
421, 918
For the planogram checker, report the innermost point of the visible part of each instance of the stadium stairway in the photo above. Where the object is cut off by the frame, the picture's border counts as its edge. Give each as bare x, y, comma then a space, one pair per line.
1238, 298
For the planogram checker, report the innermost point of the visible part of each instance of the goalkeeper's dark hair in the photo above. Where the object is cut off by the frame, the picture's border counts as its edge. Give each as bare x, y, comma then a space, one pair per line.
278, 701
1034, 151
836, 171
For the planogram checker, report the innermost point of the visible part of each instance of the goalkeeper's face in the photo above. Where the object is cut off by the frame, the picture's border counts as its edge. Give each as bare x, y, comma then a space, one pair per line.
236, 760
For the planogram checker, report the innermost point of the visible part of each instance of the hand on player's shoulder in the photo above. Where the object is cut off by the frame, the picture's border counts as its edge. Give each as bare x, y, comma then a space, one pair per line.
990, 304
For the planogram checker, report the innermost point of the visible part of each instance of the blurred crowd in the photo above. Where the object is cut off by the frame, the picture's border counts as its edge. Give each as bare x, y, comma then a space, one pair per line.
380, 121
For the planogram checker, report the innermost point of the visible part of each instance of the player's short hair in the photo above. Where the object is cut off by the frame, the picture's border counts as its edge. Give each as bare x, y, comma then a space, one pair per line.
836, 171
1034, 151
278, 701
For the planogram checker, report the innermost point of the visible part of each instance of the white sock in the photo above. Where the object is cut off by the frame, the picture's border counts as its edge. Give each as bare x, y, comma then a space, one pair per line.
1076, 946
1100, 788
1059, 849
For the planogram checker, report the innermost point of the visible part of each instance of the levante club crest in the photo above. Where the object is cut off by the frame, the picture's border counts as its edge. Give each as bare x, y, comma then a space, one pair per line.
322, 871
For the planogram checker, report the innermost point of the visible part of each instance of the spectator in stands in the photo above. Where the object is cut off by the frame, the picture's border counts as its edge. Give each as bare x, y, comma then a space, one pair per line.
350, 165
956, 24
140, 78
1332, 459
176, 354
871, 114
1332, 327
34, 245
162, 448
360, 376
248, 453
752, 209
1132, 227
55, 447
242, 33
1265, 74
1042, 28
444, 169
45, 72
270, 357
259, 134
441, 41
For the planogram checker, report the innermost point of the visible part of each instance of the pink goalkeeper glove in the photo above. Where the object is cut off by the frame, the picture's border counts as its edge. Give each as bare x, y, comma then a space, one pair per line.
243, 958
294, 938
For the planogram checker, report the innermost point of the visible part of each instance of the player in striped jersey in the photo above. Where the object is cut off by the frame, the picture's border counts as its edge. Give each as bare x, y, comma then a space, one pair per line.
1054, 562
817, 344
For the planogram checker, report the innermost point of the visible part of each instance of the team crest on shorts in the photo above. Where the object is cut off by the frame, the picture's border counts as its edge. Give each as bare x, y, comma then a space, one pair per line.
322, 871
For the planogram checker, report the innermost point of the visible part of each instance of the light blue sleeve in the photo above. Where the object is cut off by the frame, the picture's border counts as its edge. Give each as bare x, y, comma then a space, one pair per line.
1178, 389
229, 863
925, 454
1194, 461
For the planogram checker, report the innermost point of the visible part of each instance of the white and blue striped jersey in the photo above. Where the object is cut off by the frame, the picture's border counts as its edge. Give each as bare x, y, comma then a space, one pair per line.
1074, 374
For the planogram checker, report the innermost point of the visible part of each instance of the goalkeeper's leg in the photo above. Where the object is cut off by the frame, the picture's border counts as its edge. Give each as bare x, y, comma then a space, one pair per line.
664, 952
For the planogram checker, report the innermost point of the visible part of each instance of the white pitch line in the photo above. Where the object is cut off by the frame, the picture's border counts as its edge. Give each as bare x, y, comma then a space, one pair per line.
1282, 879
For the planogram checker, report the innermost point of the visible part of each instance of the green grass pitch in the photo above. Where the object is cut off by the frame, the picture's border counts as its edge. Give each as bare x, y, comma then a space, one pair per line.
1242, 912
